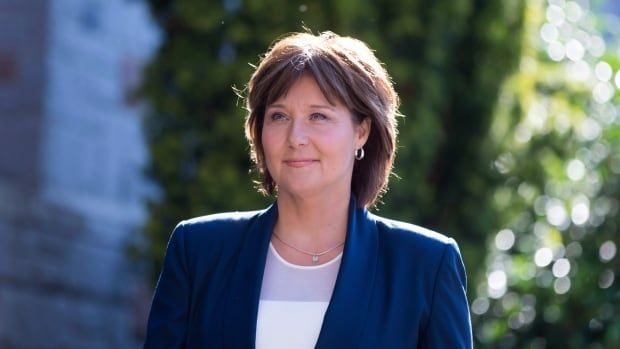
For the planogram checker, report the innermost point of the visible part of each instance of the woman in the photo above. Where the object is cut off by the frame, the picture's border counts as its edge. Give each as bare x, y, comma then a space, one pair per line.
315, 269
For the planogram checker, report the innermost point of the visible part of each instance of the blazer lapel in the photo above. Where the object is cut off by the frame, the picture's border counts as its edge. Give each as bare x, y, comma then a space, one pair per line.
347, 310
242, 304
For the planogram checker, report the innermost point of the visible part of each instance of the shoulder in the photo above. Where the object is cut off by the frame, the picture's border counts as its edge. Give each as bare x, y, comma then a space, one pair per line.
408, 246
224, 226
408, 231
407, 236
223, 218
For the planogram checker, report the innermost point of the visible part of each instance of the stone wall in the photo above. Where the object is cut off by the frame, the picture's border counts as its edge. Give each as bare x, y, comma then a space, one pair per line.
60, 285
72, 153
22, 77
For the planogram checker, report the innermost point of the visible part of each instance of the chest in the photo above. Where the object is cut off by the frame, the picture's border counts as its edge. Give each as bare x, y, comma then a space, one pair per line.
388, 310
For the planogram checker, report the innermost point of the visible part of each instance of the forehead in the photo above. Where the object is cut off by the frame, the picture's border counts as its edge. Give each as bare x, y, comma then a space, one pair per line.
305, 88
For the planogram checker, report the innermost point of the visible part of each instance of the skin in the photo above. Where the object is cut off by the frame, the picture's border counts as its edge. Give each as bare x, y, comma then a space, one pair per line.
309, 147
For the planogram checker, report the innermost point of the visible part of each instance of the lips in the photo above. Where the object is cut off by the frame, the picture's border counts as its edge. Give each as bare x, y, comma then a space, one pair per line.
298, 163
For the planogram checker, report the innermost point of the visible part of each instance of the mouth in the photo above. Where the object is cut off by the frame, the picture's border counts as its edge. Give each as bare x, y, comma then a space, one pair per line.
298, 163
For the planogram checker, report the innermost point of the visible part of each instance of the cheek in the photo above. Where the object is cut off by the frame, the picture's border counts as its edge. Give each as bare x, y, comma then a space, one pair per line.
266, 138
342, 142
269, 146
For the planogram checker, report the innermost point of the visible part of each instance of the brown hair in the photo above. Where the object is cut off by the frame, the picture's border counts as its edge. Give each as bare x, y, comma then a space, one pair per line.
346, 70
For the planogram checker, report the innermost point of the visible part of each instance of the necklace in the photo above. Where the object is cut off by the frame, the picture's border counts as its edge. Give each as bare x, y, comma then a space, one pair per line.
315, 256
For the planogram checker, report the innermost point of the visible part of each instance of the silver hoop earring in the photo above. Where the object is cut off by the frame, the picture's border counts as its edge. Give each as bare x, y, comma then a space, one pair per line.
359, 153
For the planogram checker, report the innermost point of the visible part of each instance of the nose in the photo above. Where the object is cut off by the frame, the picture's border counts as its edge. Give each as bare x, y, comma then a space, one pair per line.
298, 135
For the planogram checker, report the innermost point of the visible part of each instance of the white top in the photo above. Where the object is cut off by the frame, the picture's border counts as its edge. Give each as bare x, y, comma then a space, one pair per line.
293, 302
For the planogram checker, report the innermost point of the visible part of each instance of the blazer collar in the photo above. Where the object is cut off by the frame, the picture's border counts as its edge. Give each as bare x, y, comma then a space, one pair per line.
346, 313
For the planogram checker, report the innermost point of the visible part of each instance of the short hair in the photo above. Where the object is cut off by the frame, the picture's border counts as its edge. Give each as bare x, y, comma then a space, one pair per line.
345, 70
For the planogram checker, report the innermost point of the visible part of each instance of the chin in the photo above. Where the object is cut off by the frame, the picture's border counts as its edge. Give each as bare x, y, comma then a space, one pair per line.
299, 190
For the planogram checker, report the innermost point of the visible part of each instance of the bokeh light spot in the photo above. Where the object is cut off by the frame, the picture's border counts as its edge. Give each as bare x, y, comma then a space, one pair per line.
574, 12
574, 50
504, 240
556, 213
579, 71
561, 268
561, 285
497, 281
549, 32
597, 46
552, 313
595, 325
480, 305
580, 213
588, 130
607, 251
603, 71
606, 279
603, 92
556, 51
555, 15
574, 249
575, 170
543, 257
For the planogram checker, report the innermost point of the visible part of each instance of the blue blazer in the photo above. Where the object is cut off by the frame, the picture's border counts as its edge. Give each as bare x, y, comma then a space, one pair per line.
399, 286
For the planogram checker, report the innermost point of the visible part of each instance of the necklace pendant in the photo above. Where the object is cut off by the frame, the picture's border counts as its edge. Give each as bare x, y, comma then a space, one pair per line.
315, 258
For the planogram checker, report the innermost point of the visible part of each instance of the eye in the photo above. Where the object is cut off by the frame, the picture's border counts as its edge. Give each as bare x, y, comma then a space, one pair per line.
277, 117
318, 116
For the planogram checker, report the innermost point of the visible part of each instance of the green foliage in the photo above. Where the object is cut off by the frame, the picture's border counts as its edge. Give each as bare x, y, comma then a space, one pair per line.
552, 264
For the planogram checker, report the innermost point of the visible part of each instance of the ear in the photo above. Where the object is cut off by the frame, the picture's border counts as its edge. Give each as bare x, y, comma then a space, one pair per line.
363, 131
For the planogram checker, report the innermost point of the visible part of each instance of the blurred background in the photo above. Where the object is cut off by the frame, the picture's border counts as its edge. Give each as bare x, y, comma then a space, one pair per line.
118, 119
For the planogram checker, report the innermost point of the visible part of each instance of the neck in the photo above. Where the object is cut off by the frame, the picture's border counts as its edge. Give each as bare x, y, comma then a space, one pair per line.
314, 223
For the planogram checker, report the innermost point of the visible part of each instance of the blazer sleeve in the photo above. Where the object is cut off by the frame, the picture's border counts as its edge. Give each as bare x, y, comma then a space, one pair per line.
168, 318
449, 324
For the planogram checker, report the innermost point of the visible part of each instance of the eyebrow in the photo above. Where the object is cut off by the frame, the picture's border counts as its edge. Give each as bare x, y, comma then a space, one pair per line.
315, 106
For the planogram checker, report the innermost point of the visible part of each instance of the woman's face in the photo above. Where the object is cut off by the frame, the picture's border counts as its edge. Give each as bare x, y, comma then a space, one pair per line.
309, 143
